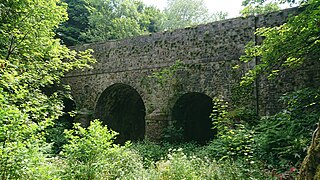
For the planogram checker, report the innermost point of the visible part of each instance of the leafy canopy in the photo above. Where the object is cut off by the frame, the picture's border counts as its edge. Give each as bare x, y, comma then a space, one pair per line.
287, 46
248, 2
70, 31
30, 59
184, 13
117, 19
257, 8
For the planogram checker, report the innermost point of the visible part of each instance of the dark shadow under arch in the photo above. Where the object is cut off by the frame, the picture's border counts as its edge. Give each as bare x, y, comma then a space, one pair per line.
121, 108
191, 112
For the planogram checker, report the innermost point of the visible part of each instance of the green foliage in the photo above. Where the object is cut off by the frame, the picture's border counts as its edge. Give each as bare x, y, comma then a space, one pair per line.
178, 165
303, 100
149, 151
242, 96
30, 59
70, 31
120, 19
244, 115
235, 143
100, 20
256, 9
167, 75
91, 154
173, 134
55, 134
21, 151
249, 2
235, 139
282, 139
152, 18
219, 115
165, 80
184, 13
287, 46
152, 152
182, 162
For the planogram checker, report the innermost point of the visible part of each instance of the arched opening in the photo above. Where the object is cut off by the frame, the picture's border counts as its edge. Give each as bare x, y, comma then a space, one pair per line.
191, 113
121, 108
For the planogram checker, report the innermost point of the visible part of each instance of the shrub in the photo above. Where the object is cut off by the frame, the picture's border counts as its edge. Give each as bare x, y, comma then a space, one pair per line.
22, 146
173, 134
55, 135
91, 154
177, 165
282, 139
234, 139
149, 151
235, 143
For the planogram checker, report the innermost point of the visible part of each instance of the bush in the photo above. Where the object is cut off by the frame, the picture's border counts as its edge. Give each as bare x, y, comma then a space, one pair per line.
152, 152
149, 151
283, 139
235, 143
91, 154
22, 146
173, 134
55, 135
234, 138
177, 165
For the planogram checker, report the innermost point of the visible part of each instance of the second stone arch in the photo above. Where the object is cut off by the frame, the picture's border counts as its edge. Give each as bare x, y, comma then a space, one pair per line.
191, 113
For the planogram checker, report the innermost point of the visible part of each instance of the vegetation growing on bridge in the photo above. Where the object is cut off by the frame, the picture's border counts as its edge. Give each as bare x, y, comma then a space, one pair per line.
32, 59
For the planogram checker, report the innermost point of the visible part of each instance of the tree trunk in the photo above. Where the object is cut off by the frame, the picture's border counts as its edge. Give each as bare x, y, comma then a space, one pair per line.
310, 168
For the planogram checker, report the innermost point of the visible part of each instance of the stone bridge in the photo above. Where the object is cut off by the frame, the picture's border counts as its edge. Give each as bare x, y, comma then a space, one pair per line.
119, 90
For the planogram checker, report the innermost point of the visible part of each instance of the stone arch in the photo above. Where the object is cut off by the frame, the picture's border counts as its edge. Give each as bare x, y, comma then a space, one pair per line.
121, 108
191, 113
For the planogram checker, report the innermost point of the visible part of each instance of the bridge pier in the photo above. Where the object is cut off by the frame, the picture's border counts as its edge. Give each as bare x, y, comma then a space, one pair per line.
83, 117
156, 122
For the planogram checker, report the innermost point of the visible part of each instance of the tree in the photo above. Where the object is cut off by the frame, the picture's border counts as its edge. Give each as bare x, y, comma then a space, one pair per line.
183, 13
288, 46
152, 18
70, 31
117, 19
248, 2
30, 59
258, 8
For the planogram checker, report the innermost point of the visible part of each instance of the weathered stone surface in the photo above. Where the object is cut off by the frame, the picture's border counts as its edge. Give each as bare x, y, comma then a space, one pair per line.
310, 167
210, 51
